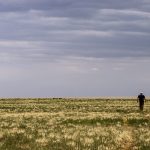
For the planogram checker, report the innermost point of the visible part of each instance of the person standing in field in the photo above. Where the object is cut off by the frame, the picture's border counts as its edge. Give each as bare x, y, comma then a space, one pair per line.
141, 99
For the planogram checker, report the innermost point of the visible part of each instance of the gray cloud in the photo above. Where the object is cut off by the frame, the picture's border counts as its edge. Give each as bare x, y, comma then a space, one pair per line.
43, 4
108, 33
70, 44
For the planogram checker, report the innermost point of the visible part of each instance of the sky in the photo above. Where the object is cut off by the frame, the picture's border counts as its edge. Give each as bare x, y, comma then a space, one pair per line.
74, 48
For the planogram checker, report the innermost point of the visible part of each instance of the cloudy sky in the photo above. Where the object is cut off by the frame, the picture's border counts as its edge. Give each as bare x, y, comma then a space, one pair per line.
59, 48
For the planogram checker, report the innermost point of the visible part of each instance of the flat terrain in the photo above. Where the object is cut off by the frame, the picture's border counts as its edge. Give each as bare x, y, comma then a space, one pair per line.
74, 124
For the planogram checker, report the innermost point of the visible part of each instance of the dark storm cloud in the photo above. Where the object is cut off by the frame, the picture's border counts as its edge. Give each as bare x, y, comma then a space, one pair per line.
46, 29
9, 5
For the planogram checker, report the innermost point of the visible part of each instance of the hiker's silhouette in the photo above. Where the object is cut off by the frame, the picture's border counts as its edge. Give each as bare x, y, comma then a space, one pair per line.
141, 99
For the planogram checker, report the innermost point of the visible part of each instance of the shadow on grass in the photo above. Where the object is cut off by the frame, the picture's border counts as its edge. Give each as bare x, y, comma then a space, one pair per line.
106, 121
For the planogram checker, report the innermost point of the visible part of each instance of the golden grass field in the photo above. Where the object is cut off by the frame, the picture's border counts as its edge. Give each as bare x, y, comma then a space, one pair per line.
74, 124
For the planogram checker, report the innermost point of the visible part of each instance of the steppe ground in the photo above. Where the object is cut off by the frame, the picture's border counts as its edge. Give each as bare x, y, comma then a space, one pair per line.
74, 124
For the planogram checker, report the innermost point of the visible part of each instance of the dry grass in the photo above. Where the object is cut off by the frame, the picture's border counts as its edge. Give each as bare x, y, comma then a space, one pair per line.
74, 124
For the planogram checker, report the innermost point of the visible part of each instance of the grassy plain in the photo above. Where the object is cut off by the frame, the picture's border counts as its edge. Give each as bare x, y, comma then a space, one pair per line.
74, 124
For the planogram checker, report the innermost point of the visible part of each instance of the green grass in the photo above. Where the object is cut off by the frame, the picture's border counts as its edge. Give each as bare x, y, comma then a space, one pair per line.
73, 124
